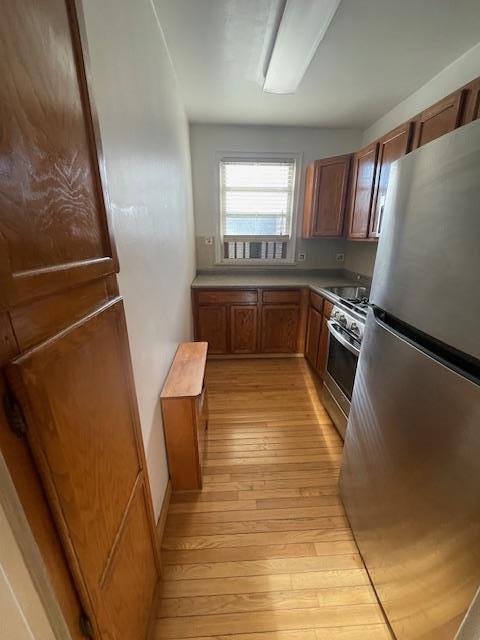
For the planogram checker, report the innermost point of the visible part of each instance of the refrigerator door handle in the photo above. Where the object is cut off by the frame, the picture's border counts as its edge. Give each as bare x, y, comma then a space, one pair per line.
343, 341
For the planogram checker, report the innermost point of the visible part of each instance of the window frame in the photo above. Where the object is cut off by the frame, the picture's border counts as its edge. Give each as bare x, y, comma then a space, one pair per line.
291, 242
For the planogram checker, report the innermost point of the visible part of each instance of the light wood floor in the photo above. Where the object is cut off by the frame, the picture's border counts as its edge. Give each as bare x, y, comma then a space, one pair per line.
265, 552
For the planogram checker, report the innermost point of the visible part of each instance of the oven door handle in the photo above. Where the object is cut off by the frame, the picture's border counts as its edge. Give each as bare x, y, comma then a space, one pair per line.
343, 341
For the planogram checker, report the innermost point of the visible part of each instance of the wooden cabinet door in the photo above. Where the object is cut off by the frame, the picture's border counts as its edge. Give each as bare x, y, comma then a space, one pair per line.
472, 102
243, 329
392, 146
325, 216
279, 328
313, 336
76, 393
53, 228
363, 180
323, 349
212, 328
441, 118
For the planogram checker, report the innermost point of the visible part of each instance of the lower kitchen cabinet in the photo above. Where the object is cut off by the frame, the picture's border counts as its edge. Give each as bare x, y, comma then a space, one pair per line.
249, 321
316, 346
314, 329
243, 328
280, 324
322, 356
211, 327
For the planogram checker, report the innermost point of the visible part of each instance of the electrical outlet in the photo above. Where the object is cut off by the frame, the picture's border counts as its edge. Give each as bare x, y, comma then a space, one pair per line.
301, 257
209, 240
340, 257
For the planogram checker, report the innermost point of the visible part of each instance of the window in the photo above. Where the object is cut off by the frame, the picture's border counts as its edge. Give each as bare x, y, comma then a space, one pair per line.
256, 208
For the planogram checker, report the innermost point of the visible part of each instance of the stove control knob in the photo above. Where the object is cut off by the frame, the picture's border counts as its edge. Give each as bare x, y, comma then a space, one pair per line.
343, 320
354, 328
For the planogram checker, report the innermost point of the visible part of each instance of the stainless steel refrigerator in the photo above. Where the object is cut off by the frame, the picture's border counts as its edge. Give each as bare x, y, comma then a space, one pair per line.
410, 478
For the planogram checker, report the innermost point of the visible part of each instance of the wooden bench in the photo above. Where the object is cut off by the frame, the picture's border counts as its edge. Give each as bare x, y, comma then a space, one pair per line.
185, 415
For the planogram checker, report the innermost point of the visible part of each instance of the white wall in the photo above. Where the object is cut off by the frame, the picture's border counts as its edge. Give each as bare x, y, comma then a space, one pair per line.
145, 138
22, 616
460, 72
207, 140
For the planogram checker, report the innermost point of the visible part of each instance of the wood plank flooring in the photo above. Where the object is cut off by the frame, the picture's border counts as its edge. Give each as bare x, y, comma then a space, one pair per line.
265, 552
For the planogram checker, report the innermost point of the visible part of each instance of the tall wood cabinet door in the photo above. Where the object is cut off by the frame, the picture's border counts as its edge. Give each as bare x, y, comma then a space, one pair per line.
76, 392
212, 328
392, 146
279, 328
243, 329
323, 349
441, 118
53, 224
313, 336
363, 180
332, 186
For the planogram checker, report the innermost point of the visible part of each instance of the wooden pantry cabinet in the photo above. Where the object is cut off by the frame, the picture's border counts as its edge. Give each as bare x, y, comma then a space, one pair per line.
326, 188
69, 424
250, 321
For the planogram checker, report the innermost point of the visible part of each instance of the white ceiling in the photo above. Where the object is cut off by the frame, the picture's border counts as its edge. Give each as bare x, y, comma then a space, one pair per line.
374, 54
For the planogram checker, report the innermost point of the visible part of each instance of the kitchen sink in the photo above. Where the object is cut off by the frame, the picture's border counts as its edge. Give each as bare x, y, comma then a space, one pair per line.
347, 293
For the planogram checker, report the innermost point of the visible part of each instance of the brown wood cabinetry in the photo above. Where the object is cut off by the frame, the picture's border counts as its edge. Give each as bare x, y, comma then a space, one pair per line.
314, 329
243, 328
323, 346
361, 201
325, 197
329, 182
247, 321
392, 146
70, 432
212, 327
279, 331
439, 119
316, 346
472, 102
185, 415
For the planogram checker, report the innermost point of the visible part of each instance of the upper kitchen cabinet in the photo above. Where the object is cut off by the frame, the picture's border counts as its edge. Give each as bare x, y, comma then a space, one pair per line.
472, 102
363, 182
326, 187
392, 146
439, 119
54, 231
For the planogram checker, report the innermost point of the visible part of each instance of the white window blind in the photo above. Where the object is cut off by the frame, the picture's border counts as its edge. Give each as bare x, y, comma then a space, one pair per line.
256, 198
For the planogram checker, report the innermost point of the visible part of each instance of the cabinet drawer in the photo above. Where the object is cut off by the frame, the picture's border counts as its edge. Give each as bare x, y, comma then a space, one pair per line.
292, 296
316, 301
227, 297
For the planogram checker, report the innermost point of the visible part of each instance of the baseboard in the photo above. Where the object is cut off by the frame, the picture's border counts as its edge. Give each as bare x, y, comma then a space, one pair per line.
162, 519
254, 356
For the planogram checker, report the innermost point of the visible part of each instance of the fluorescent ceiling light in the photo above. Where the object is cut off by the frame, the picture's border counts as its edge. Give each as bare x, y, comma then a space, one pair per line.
303, 25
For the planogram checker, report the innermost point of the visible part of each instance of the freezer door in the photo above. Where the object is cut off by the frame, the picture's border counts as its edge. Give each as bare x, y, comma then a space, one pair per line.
410, 482
427, 270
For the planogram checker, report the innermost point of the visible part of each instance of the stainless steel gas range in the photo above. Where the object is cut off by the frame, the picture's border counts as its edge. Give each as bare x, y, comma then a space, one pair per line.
346, 325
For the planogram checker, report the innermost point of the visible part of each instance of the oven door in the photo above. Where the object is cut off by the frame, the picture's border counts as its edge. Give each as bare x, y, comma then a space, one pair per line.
343, 352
